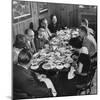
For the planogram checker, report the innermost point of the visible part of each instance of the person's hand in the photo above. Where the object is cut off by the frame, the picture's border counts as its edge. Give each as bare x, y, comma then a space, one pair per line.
41, 77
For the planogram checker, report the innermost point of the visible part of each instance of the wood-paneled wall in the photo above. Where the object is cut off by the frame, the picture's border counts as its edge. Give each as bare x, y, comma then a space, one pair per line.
67, 14
19, 27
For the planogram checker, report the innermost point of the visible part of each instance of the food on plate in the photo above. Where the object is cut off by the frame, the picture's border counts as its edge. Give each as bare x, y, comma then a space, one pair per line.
59, 66
46, 66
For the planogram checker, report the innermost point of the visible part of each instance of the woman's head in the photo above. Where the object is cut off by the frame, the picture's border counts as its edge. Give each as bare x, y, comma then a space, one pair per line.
41, 33
20, 41
54, 19
44, 23
24, 57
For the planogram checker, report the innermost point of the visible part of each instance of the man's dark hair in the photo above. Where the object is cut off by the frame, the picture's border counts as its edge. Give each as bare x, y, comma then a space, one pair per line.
85, 21
24, 57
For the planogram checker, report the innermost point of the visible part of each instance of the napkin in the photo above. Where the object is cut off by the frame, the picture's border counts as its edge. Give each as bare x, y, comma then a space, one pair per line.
50, 85
71, 74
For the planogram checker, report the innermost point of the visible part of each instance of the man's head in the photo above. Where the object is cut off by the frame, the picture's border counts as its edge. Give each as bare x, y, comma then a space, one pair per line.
84, 22
83, 31
24, 58
30, 34
54, 19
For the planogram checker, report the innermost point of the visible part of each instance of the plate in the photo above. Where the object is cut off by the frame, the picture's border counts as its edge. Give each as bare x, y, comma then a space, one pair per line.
34, 67
67, 65
46, 66
60, 66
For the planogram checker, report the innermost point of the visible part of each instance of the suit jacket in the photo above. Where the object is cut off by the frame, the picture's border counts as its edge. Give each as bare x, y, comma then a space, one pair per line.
31, 46
26, 83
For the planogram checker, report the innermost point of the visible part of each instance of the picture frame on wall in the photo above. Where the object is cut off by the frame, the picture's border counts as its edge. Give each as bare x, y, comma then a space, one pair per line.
43, 7
21, 10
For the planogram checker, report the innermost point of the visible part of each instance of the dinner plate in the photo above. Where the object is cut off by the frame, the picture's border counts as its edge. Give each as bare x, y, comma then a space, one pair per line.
34, 67
60, 66
46, 66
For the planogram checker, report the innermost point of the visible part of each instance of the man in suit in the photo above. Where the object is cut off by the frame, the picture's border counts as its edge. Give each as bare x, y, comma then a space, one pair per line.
25, 83
29, 34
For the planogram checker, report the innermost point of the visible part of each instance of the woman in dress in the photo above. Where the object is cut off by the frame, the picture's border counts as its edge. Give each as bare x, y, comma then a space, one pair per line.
44, 25
54, 26
18, 46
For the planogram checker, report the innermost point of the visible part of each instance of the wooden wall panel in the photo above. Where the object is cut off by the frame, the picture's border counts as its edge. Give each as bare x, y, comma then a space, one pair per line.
67, 14
19, 27
62, 11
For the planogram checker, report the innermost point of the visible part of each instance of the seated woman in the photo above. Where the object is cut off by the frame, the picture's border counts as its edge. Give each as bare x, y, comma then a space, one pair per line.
54, 26
40, 41
25, 82
18, 46
44, 25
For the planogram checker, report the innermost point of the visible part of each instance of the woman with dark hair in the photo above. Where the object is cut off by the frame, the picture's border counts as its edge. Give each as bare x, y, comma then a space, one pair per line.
44, 26
54, 26
18, 46
44, 35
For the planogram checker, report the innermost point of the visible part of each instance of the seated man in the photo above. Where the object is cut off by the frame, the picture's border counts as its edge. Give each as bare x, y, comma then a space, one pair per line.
85, 23
26, 82
29, 34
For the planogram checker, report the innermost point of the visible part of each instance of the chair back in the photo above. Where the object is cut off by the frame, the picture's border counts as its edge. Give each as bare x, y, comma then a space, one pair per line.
93, 66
